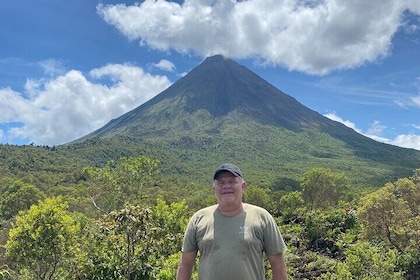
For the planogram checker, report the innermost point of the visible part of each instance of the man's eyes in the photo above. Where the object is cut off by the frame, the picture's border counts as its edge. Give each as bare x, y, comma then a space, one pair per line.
226, 183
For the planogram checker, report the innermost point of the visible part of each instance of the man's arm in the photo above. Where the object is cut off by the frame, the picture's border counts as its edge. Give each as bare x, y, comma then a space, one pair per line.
278, 267
185, 266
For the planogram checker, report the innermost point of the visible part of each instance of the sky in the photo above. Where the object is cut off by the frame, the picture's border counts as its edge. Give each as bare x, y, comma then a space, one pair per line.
69, 67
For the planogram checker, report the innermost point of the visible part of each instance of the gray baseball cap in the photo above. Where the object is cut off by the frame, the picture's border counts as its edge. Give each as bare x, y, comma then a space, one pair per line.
229, 167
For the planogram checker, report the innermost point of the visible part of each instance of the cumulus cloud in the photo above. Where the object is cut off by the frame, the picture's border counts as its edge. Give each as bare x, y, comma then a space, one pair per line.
335, 117
63, 108
376, 130
407, 141
315, 37
165, 65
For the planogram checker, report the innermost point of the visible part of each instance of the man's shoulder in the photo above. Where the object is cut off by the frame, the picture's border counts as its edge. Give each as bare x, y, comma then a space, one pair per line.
206, 210
255, 209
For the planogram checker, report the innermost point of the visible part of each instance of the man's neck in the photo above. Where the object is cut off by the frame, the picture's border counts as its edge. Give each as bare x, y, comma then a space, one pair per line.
230, 210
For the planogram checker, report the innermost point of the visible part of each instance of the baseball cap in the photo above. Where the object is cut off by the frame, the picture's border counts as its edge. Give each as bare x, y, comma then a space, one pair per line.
229, 167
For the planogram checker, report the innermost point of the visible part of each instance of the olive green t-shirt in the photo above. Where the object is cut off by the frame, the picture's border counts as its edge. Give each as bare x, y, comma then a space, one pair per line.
231, 248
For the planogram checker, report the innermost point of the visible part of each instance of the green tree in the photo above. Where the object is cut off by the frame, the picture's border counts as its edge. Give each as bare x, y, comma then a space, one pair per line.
169, 268
323, 188
409, 191
171, 219
384, 215
17, 196
365, 261
290, 205
42, 239
120, 182
131, 236
392, 214
258, 196
326, 231
134, 242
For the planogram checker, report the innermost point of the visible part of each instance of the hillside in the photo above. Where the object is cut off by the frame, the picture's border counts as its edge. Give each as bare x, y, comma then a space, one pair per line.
223, 112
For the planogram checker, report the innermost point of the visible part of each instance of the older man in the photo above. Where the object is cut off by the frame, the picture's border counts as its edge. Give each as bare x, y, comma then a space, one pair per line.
232, 236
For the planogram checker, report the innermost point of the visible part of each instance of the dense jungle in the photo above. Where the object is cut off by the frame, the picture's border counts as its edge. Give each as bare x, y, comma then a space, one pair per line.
125, 220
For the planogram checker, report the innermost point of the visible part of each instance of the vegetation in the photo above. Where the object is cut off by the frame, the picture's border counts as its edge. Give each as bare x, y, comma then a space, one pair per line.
125, 220
114, 204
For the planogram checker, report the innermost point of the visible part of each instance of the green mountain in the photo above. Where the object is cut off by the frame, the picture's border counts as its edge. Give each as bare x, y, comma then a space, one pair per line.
217, 92
223, 112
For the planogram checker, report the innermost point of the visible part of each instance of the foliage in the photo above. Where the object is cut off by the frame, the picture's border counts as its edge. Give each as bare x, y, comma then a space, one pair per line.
391, 214
42, 239
168, 268
273, 157
258, 196
171, 219
323, 188
365, 261
328, 231
145, 210
120, 182
5, 273
17, 196
290, 206
134, 242
308, 265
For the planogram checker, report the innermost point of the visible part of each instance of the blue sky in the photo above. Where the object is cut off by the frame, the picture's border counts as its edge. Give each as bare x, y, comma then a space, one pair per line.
69, 67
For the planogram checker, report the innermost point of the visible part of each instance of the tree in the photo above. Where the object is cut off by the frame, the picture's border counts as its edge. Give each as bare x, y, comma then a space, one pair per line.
134, 242
41, 239
392, 214
172, 220
409, 191
257, 196
120, 182
325, 231
384, 215
131, 236
323, 188
365, 261
17, 196
290, 205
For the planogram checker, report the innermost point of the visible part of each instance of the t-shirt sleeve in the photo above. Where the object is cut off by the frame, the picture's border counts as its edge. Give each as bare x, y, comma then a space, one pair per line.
273, 241
189, 243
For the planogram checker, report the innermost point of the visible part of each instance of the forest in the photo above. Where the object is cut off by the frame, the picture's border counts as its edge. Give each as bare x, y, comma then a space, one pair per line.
125, 220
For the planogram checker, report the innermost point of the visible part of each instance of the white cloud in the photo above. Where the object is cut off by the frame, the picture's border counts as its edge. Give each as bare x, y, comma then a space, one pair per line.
52, 67
407, 141
335, 117
376, 130
310, 36
416, 100
164, 65
62, 109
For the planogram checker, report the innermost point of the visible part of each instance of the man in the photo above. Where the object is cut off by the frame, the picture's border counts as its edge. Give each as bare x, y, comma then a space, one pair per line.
231, 236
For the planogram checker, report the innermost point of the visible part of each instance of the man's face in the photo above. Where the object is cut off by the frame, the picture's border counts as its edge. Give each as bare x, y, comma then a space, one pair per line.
229, 188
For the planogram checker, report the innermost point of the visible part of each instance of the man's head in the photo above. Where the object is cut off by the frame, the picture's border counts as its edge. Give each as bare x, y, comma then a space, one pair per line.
229, 185
228, 167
